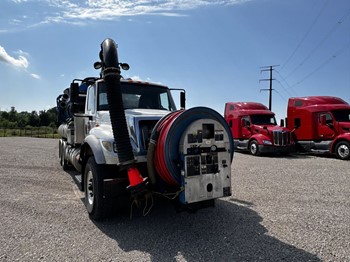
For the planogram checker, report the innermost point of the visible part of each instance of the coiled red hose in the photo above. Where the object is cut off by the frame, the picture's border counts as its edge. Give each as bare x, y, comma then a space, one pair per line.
163, 155
160, 154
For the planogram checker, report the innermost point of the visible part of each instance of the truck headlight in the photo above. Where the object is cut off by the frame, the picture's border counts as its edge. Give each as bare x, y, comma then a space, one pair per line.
107, 145
267, 142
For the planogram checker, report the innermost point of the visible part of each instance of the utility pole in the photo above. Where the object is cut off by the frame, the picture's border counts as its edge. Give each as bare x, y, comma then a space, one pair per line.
268, 68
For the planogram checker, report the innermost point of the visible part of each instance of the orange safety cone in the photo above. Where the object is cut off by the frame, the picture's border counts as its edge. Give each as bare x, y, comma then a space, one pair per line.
134, 176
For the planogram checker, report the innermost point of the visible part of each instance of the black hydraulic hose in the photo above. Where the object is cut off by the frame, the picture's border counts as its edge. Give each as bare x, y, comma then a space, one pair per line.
111, 76
150, 161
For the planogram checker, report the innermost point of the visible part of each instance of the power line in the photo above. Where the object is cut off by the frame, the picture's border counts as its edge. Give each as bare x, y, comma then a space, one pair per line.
285, 81
340, 51
280, 94
306, 34
286, 90
333, 29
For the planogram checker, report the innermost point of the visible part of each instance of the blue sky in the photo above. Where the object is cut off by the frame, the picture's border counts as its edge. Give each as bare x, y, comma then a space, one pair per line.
213, 49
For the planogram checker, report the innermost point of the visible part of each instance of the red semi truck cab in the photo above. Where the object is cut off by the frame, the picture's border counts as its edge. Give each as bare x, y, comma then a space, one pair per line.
254, 129
321, 124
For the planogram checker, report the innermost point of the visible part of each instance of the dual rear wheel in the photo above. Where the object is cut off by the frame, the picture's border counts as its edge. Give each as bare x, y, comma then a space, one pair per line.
63, 161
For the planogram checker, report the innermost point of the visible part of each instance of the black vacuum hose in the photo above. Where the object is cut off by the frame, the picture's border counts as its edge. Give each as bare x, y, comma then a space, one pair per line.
111, 76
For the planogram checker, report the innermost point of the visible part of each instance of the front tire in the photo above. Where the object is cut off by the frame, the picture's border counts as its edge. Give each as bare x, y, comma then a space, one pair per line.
254, 148
342, 150
93, 185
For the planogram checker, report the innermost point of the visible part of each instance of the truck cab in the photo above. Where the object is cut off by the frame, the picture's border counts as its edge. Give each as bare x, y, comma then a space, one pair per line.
254, 129
144, 104
321, 124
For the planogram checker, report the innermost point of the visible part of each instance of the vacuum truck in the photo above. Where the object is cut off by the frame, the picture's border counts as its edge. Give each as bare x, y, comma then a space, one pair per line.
127, 138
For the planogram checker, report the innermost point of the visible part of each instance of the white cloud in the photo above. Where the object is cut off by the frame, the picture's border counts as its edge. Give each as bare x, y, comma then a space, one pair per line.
35, 76
22, 53
138, 78
20, 62
19, 1
135, 78
76, 12
15, 21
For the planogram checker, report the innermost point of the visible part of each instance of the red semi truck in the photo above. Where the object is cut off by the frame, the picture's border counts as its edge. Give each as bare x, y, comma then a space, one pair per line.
254, 129
320, 124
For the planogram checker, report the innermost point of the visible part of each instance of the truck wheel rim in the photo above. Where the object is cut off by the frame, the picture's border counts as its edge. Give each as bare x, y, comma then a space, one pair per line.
343, 151
90, 188
253, 148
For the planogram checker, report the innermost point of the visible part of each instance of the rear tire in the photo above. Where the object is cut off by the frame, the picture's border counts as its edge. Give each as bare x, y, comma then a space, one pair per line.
93, 186
254, 148
342, 150
63, 161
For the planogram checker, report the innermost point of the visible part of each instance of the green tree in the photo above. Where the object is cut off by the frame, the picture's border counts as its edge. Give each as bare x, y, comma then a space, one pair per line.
52, 117
4, 123
5, 115
13, 119
34, 119
23, 119
13, 114
12, 125
44, 118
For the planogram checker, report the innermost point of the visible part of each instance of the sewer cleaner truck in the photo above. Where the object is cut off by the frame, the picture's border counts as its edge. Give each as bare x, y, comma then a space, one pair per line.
254, 129
126, 138
320, 124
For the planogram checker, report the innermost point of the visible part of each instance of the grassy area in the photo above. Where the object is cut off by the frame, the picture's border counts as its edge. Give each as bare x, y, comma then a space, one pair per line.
42, 132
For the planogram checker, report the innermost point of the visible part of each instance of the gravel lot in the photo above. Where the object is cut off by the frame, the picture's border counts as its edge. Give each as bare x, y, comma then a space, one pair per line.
283, 208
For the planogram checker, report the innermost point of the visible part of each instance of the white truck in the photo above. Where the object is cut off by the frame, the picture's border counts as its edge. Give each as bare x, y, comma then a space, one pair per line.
126, 138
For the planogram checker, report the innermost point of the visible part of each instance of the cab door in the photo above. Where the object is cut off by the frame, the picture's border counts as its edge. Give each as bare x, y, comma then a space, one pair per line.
246, 127
325, 126
90, 109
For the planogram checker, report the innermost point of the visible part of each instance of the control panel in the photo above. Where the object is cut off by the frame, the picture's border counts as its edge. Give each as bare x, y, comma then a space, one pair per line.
206, 163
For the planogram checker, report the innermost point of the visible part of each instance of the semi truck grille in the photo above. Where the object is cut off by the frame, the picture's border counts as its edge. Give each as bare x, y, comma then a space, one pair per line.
281, 138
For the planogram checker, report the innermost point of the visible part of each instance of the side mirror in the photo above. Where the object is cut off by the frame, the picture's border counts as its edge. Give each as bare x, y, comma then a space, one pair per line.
182, 97
97, 65
74, 92
183, 100
282, 123
124, 66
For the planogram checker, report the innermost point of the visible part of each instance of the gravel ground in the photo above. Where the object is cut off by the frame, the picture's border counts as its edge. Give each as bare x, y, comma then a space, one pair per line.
283, 208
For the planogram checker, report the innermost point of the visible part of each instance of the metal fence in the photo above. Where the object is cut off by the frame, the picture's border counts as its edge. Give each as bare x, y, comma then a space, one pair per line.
42, 132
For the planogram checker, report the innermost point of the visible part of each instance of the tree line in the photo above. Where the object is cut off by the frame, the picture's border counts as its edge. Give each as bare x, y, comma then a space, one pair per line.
14, 119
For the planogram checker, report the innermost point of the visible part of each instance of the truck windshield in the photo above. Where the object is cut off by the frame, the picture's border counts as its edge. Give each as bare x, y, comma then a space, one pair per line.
341, 115
263, 120
137, 95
